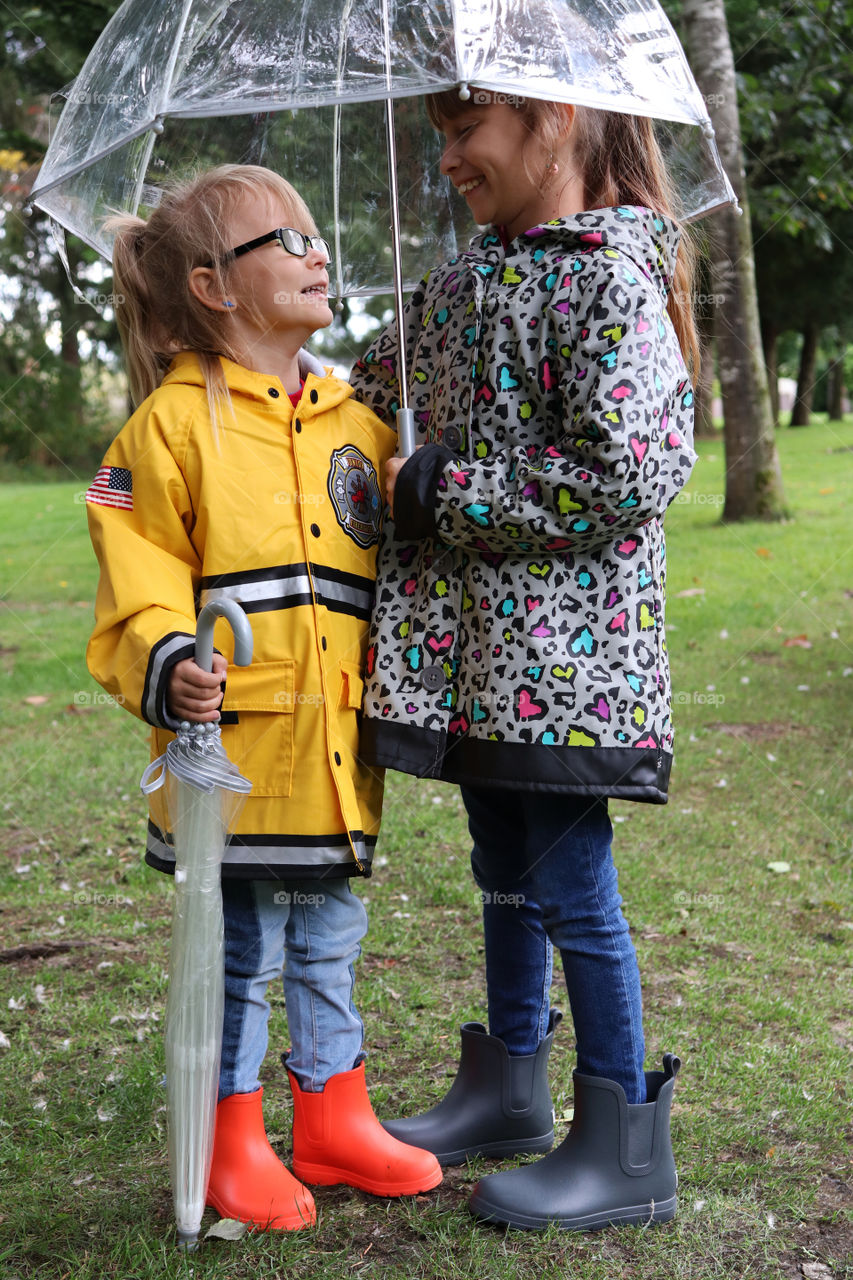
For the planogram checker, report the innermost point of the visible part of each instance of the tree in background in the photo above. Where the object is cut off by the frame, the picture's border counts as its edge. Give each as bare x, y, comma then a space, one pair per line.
796, 108
753, 476
45, 417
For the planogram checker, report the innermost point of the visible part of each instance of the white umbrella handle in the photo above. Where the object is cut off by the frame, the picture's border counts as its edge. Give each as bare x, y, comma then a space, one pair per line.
243, 639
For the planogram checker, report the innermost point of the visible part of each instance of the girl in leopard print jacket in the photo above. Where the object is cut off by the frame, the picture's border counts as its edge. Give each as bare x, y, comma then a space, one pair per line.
518, 644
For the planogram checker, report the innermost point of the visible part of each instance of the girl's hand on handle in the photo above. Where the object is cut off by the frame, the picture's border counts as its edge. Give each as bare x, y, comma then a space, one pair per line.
392, 470
194, 694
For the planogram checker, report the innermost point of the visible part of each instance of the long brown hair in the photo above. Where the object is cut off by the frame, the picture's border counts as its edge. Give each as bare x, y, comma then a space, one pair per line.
621, 165
157, 313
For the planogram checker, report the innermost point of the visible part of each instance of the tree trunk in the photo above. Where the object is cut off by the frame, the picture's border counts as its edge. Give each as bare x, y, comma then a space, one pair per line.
703, 427
835, 391
753, 477
770, 347
802, 411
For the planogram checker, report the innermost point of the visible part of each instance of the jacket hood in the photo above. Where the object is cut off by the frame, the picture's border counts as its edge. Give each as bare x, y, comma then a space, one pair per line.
649, 239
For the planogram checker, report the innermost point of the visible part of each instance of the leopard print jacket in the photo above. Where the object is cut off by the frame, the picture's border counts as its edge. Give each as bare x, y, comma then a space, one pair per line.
518, 631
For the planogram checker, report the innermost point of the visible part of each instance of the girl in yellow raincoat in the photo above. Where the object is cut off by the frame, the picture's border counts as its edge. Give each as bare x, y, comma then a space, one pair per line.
249, 472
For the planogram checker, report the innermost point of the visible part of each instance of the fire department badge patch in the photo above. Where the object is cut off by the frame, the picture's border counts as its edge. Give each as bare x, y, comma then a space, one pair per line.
354, 490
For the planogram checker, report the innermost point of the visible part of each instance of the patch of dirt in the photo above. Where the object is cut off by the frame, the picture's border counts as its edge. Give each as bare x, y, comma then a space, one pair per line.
33, 954
827, 1237
760, 731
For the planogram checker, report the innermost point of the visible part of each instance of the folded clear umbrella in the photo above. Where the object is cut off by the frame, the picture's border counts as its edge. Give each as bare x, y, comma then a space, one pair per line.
204, 796
308, 86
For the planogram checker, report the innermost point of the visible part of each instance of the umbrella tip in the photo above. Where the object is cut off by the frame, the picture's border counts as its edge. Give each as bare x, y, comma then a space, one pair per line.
187, 1240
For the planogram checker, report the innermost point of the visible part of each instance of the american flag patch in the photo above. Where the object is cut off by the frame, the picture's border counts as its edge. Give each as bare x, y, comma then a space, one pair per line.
111, 487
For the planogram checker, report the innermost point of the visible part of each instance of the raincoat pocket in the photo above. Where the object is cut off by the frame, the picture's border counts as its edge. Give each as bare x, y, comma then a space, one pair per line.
260, 744
352, 686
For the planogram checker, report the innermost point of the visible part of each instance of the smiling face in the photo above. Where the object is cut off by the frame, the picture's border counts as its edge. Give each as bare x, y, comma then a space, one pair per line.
497, 161
274, 291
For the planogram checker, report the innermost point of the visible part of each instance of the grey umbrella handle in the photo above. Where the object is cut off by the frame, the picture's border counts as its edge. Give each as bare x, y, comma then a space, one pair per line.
405, 433
243, 639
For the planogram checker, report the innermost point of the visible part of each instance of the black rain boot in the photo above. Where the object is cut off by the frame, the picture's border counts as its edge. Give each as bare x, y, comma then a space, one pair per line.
498, 1105
614, 1167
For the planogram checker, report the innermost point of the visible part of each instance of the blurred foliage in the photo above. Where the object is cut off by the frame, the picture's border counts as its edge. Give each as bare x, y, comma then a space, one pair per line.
796, 109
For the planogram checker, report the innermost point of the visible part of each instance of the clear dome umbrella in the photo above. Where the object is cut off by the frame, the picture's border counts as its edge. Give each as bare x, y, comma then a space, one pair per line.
204, 793
309, 88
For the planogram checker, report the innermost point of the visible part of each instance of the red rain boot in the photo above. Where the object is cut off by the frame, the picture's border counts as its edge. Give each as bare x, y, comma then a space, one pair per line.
247, 1179
337, 1138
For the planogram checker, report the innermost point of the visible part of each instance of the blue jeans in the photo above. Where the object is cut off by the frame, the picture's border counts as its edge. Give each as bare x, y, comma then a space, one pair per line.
310, 929
544, 866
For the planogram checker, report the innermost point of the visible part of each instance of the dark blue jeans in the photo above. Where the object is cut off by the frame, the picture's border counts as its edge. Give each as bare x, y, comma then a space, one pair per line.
544, 866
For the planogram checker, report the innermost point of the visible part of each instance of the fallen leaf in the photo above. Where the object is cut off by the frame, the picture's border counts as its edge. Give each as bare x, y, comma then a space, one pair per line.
226, 1229
763, 551
691, 591
779, 867
797, 642
36, 700
815, 1271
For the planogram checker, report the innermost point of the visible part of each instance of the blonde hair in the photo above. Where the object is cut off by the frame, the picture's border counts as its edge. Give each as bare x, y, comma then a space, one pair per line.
621, 164
157, 313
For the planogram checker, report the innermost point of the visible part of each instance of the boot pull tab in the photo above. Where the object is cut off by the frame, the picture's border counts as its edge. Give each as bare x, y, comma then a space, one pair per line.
671, 1065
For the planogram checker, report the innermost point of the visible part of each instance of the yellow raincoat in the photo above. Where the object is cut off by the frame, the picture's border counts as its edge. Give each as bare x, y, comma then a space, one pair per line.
280, 513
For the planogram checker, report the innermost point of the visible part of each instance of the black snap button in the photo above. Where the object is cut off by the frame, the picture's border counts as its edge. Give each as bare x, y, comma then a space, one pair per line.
337, 757
323, 642
315, 529
452, 437
314, 397
297, 425
432, 678
273, 391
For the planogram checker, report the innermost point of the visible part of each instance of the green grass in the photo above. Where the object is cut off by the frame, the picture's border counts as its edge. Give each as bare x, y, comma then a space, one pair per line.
747, 972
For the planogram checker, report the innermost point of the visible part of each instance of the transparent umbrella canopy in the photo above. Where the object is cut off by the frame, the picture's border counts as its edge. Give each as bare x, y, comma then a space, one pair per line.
204, 795
309, 87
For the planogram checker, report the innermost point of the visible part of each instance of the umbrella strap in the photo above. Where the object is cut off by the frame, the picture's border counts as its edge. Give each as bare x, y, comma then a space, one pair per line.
148, 782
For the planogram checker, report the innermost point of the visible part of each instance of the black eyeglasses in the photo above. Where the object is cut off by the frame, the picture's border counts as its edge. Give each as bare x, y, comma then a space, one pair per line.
295, 242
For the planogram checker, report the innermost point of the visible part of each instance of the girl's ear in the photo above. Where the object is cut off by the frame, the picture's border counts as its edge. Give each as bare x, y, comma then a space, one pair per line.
205, 286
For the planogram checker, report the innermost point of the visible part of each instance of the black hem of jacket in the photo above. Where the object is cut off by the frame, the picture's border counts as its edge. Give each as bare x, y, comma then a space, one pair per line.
416, 489
620, 773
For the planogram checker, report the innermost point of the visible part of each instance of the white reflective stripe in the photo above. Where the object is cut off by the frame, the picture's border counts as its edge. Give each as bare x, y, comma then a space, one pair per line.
157, 662
274, 857
280, 589
326, 588
293, 591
